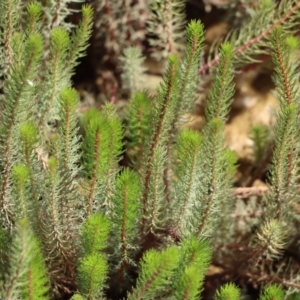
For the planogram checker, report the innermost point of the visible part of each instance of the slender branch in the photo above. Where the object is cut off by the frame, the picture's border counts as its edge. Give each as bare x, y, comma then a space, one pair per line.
8, 139
157, 135
246, 192
239, 50
92, 190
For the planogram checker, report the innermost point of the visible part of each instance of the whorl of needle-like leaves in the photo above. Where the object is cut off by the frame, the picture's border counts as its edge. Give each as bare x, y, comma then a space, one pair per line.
27, 277
174, 97
132, 69
17, 101
228, 291
125, 225
284, 172
250, 41
63, 47
194, 261
154, 156
216, 163
93, 267
156, 269
189, 66
186, 189
139, 116
102, 147
166, 27
272, 292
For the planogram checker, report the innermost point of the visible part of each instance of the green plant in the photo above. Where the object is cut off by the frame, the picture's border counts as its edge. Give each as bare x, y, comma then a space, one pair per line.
77, 224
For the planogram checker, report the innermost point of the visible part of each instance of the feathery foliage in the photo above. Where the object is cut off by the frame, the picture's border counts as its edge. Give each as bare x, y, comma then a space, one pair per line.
26, 278
139, 116
167, 21
186, 189
156, 268
132, 69
284, 180
102, 147
126, 214
228, 291
77, 220
215, 165
272, 291
195, 258
93, 266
